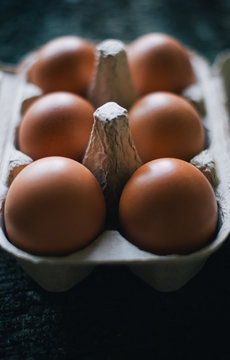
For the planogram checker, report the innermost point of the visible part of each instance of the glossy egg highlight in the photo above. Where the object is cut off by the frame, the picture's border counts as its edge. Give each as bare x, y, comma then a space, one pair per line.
54, 206
159, 62
59, 124
168, 207
163, 124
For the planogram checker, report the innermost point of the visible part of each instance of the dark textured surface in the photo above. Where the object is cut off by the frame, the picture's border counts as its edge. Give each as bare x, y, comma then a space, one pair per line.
112, 314
202, 25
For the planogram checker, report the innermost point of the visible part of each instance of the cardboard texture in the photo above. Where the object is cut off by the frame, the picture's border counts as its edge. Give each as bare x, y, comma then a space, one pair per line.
164, 273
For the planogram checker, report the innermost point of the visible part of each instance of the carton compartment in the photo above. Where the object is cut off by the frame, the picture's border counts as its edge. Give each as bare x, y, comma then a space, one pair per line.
165, 273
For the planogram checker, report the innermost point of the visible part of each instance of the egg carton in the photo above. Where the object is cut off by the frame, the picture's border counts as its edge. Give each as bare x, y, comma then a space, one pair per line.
112, 86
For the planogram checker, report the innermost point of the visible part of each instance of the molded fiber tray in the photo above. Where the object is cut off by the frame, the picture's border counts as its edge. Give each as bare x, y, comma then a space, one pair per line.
165, 273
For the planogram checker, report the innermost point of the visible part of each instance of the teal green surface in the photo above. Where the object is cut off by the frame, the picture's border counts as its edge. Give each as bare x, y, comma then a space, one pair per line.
25, 25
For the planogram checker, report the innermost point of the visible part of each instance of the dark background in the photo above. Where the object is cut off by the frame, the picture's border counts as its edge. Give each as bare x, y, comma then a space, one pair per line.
112, 314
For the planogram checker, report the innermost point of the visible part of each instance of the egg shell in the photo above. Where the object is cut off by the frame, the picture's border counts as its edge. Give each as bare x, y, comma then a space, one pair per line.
49, 207
64, 64
158, 62
163, 124
168, 207
164, 273
59, 124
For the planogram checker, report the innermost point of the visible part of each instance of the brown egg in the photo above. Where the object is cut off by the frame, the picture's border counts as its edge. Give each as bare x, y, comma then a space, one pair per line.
168, 206
159, 62
59, 123
64, 64
166, 125
54, 206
